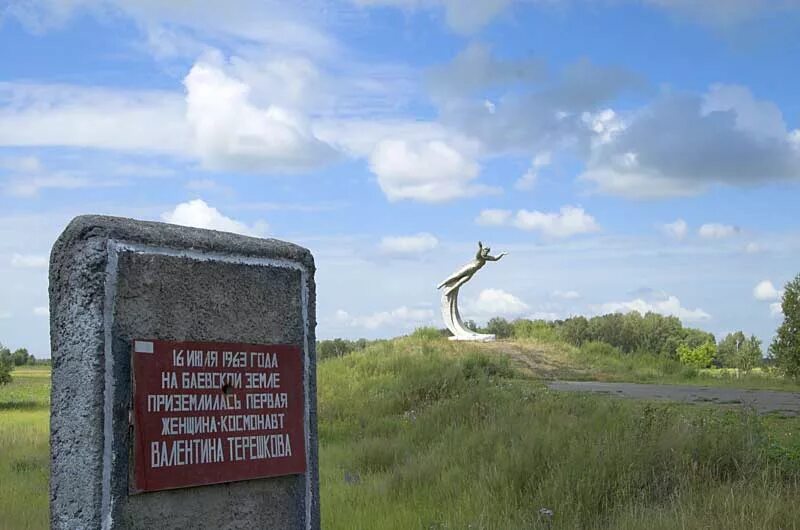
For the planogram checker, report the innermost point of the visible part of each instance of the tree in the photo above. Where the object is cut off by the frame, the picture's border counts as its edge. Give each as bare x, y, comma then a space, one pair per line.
575, 330
785, 348
750, 354
5, 355
737, 351
500, 327
5, 371
729, 347
20, 356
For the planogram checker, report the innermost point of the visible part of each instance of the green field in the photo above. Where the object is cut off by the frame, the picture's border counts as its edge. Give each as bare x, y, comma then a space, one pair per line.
422, 433
24, 449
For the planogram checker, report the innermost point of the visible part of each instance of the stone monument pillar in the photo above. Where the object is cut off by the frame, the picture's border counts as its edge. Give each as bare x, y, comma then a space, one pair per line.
184, 390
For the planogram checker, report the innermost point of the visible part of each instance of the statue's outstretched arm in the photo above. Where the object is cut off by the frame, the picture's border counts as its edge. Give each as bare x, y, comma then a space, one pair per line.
496, 258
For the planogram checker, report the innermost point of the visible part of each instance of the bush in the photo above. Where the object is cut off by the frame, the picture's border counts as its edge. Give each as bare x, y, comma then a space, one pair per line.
633, 333
500, 327
5, 371
427, 333
575, 331
599, 349
699, 357
21, 357
327, 349
535, 329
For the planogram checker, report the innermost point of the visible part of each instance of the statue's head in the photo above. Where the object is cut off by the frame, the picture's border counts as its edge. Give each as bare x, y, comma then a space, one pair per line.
485, 251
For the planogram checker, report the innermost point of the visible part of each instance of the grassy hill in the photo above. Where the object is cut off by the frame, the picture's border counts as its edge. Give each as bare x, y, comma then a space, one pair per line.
418, 432
422, 433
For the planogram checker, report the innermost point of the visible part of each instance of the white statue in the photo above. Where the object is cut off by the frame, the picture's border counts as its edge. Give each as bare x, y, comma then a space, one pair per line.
452, 284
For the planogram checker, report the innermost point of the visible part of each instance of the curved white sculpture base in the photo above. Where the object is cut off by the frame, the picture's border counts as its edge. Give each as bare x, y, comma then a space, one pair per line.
452, 319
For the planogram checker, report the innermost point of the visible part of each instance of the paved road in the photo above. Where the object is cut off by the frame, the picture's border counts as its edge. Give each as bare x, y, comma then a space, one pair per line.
763, 401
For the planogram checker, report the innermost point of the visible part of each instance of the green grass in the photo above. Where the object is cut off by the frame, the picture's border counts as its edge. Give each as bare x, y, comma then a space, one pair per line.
421, 433
418, 434
24, 449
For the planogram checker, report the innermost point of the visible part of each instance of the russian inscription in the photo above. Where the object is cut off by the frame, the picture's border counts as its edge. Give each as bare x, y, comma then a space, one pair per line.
207, 412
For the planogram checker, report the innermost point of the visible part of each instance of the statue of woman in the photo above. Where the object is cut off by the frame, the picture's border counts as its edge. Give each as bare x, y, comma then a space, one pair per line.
465, 273
450, 314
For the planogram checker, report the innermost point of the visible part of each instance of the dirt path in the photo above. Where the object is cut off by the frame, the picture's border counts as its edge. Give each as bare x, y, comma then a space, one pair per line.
763, 401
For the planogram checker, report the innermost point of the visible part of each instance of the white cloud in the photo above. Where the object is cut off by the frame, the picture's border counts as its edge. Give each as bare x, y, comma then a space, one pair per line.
566, 295
402, 316
668, 305
765, 290
475, 69
723, 13
491, 217
528, 180
408, 245
495, 302
30, 186
544, 315
87, 116
461, 16
753, 248
605, 124
173, 26
569, 221
198, 214
717, 231
209, 186
232, 133
676, 230
761, 118
41, 311
28, 176
29, 261
427, 171
683, 144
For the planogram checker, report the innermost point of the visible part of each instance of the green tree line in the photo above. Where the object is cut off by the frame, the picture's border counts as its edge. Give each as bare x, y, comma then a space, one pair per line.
632, 332
9, 360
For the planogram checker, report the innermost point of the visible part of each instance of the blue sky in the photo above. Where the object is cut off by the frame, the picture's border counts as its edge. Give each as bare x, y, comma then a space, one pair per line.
629, 155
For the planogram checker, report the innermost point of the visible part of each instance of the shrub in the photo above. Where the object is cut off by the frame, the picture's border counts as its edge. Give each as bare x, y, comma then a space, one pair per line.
699, 357
599, 349
5, 371
575, 330
427, 333
535, 329
327, 349
500, 327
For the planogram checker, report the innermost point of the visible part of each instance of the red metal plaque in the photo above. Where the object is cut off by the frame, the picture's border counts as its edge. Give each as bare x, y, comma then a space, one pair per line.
209, 412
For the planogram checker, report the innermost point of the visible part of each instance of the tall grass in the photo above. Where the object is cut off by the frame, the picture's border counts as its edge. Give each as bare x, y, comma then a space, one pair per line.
424, 433
25, 449
415, 434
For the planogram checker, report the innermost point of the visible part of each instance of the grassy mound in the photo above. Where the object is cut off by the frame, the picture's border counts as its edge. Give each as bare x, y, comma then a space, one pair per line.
422, 433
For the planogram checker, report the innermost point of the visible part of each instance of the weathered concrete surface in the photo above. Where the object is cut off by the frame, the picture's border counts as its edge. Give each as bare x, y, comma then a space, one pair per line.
114, 279
763, 401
